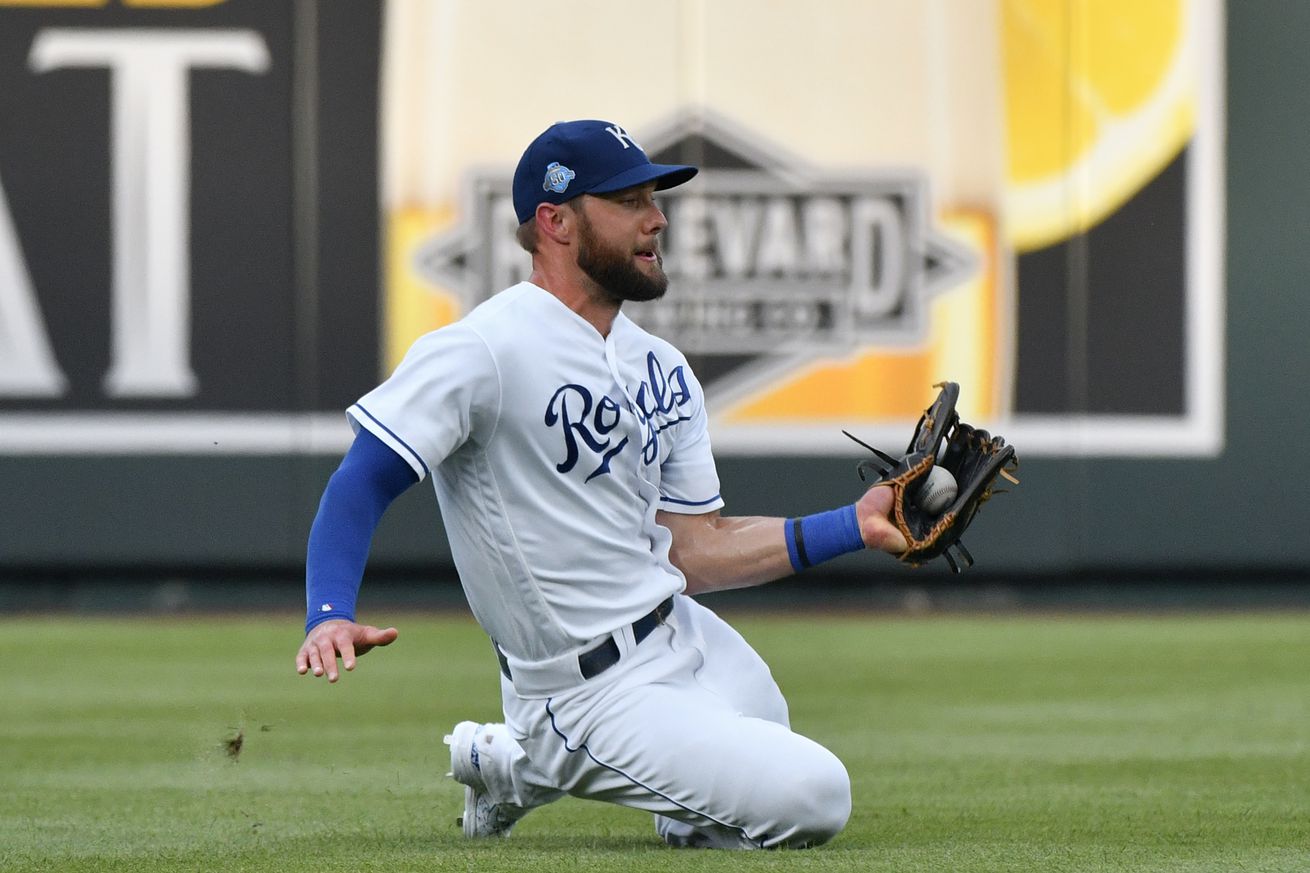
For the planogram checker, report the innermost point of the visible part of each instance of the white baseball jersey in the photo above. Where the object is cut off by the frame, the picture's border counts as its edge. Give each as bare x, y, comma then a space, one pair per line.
551, 448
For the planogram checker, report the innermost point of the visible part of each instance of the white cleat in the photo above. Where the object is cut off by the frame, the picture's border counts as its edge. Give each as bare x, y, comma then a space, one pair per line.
483, 817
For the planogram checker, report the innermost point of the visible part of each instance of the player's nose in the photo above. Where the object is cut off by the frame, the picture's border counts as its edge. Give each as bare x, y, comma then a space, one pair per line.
657, 221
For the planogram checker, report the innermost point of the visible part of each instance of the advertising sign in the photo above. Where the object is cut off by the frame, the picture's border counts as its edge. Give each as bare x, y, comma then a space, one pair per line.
221, 221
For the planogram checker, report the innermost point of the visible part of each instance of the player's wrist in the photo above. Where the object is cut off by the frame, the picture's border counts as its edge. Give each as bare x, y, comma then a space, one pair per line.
314, 619
813, 539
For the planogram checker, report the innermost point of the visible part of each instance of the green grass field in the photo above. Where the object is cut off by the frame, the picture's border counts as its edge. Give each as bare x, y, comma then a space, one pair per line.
974, 743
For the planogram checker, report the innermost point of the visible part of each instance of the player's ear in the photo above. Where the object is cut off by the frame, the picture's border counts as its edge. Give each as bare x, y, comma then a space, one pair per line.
555, 222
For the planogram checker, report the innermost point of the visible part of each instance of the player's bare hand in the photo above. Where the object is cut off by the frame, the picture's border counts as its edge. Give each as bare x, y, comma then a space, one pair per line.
318, 653
878, 531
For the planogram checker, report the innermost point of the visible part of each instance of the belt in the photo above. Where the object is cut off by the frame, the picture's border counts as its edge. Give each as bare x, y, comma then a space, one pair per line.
595, 661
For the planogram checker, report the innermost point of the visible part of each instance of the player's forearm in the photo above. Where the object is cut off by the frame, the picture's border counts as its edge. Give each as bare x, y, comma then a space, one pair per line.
735, 552
370, 477
716, 553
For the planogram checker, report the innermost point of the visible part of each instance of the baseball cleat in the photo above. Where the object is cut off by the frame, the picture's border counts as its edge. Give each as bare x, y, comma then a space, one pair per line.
483, 817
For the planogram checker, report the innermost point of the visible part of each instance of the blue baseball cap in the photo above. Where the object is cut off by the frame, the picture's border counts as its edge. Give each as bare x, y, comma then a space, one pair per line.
585, 157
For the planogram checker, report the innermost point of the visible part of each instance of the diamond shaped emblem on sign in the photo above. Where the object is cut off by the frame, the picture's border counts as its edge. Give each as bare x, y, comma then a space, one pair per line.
771, 263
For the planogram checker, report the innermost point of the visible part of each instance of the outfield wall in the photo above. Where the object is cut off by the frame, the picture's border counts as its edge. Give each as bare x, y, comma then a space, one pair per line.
196, 277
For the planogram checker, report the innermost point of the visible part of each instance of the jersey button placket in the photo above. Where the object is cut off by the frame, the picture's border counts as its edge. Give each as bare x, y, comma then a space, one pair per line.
641, 435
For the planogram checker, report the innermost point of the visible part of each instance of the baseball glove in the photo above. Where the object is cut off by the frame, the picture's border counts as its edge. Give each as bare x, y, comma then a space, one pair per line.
973, 456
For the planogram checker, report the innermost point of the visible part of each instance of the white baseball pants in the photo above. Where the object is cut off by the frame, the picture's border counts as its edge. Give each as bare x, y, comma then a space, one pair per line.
689, 725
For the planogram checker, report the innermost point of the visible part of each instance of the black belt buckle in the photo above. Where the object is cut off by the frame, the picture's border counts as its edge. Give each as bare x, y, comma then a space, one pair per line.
642, 627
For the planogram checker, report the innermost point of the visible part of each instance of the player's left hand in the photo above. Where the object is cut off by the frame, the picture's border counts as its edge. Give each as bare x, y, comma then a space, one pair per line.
878, 531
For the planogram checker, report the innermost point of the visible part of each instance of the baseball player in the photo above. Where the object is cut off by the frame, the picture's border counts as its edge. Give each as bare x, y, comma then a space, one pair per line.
571, 461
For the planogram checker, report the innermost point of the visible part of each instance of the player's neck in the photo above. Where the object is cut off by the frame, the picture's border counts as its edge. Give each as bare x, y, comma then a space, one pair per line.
581, 295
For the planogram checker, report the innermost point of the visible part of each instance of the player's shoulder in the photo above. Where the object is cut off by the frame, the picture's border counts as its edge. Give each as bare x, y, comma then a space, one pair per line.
510, 301
495, 317
456, 334
504, 316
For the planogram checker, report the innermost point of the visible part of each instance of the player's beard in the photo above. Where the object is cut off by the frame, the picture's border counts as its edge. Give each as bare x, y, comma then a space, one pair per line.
614, 271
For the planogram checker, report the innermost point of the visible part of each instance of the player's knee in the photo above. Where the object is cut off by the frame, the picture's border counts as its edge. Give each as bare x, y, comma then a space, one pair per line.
818, 802
829, 807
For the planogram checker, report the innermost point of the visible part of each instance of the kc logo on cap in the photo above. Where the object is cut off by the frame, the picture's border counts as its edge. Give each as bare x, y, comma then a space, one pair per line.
572, 158
622, 136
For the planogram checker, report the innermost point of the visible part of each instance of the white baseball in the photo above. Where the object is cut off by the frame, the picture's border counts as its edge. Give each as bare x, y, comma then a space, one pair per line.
937, 491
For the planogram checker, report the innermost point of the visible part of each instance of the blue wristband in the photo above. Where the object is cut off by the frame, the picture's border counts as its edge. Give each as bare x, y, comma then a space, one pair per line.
816, 538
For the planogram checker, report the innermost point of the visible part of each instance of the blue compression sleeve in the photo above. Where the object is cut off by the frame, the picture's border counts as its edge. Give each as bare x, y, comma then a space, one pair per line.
816, 538
359, 492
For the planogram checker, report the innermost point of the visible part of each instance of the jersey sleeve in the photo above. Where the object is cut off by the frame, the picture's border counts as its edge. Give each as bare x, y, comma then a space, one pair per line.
445, 392
689, 481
